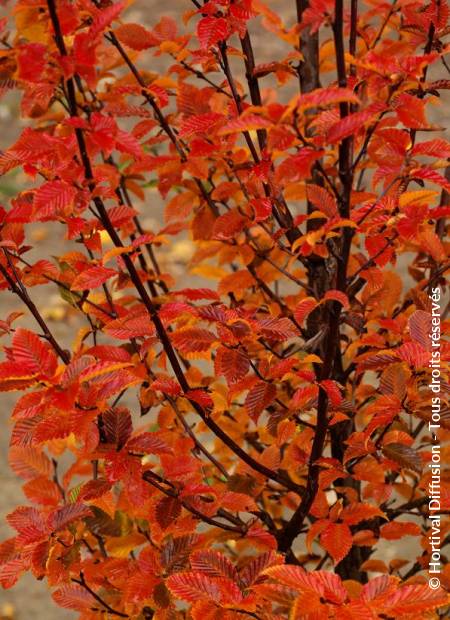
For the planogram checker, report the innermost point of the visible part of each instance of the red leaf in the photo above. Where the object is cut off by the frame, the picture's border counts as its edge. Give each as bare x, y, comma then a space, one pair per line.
53, 199
117, 426
42, 491
262, 208
193, 340
201, 397
338, 296
60, 518
259, 397
148, 443
74, 597
130, 326
377, 587
33, 355
304, 395
202, 123
420, 328
10, 572
411, 111
333, 391
428, 174
278, 329
404, 455
194, 294
166, 385
247, 122
298, 166
193, 586
121, 215
304, 308
213, 564
251, 571
295, 577
29, 524
167, 510
92, 278
104, 17
232, 363
327, 96
432, 148
352, 123
413, 354
211, 30
31, 61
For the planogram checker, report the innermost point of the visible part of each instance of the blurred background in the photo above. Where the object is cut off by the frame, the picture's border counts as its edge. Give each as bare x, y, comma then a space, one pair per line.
30, 598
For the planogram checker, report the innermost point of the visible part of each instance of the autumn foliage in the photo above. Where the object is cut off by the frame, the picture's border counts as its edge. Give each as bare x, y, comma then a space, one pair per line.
247, 440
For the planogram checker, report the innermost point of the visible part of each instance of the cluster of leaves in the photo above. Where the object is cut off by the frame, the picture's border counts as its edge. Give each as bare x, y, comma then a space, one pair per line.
241, 449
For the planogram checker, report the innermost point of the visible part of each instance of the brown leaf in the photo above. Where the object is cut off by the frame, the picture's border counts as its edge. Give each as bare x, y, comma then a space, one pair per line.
168, 509
403, 455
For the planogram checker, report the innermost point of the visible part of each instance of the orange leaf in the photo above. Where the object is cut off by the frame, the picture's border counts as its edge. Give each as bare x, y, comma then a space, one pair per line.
356, 512
236, 282
398, 529
337, 540
411, 111
304, 308
135, 36
414, 599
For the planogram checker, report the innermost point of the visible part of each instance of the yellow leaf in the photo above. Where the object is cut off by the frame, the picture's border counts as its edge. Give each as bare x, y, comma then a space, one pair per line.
81, 335
419, 196
165, 82
209, 271
115, 252
169, 47
105, 238
121, 546
343, 223
317, 215
236, 282
31, 25
102, 368
311, 359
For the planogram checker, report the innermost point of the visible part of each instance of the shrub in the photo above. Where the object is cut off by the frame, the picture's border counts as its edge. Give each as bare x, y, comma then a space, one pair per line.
244, 443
